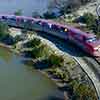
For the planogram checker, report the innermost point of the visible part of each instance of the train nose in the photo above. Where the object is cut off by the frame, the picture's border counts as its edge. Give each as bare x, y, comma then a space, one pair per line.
99, 49
96, 53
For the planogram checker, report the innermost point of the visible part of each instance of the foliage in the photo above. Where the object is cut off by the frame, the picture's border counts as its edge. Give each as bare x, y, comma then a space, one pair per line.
3, 29
59, 73
67, 6
18, 12
17, 38
89, 19
36, 15
39, 51
56, 60
83, 91
34, 42
48, 15
92, 23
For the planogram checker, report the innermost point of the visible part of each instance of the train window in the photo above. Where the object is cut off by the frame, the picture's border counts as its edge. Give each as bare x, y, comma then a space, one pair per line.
28, 21
46, 25
78, 37
4, 17
50, 25
93, 39
38, 22
55, 27
25, 20
13, 19
32, 22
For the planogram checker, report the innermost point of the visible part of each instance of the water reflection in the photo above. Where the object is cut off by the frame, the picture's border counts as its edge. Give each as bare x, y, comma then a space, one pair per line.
19, 83
5, 55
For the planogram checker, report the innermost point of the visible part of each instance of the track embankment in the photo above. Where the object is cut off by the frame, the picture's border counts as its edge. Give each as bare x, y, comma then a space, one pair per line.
88, 64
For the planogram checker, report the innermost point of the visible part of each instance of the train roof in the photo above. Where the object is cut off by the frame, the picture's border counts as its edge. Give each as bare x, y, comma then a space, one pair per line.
73, 29
70, 28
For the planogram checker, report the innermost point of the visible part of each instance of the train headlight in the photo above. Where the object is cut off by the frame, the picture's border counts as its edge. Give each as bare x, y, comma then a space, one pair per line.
96, 49
99, 49
65, 30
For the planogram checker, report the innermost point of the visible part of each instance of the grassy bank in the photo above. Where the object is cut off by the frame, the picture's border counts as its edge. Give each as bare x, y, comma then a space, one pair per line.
59, 67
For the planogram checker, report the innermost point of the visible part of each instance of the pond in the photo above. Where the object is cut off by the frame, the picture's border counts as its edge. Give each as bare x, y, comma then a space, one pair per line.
20, 82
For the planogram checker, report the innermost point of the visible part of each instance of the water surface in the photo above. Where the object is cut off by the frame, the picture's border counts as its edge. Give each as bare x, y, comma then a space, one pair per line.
21, 82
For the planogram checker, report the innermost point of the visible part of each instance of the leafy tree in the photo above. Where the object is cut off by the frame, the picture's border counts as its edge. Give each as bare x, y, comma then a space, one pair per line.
35, 15
48, 15
89, 19
3, 29
92, 23
56, 60
18, 12
83, 91
67, 6
39, 51
34, 42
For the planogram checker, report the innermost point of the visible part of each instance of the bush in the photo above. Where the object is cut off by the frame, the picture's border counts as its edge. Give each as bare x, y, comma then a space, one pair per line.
92, 23
36, 15
18, 12
39, 51
56, 60
47, 15
33, 43
3, 29
89, 19
58, 73
83, 91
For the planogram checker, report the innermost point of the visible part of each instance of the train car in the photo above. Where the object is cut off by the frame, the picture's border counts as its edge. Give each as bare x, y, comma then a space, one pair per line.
87, 41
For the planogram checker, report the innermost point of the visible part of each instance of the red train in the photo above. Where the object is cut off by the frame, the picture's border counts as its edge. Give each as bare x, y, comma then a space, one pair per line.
87, 41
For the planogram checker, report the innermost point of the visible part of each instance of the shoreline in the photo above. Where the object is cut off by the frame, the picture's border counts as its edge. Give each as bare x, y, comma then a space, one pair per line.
55, 81
59, 83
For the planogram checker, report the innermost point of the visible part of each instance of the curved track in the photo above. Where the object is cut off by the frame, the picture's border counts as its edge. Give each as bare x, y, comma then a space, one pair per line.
90, 66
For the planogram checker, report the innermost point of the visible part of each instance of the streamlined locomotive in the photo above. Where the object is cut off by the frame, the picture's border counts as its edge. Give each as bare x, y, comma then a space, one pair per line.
87, 41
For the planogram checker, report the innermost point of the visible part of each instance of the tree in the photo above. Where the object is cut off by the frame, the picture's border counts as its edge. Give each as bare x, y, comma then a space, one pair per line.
34, 43
92, 23
3, 29
89, 19
56, 60
18, 12
35, 15
83, 91
39, 51
67, 6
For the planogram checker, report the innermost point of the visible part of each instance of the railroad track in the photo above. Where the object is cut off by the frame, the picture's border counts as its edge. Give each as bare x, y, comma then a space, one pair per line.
92, 68
97, 60
89, 65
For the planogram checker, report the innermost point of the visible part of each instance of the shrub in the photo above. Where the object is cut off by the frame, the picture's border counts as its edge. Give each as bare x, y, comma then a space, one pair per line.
40, 51
56, 60
18, 12
83, 91
34, 42
89, 19
36, 15
3, 29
